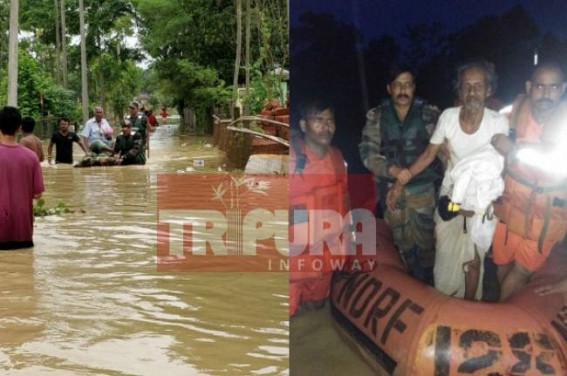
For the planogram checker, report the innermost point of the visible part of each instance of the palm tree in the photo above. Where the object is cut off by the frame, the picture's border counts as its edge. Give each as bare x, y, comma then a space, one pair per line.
57, 43
63, 44
238, 54
13, 54
84, 79
247, 58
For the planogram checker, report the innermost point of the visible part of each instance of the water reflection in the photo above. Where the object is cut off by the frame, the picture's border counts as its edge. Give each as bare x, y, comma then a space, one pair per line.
89, 298
19, 322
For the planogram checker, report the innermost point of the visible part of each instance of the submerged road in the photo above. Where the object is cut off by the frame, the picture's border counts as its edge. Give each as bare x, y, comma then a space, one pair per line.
87, 300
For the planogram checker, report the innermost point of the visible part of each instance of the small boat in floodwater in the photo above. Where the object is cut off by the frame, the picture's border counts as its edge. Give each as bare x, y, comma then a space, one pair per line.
404, 327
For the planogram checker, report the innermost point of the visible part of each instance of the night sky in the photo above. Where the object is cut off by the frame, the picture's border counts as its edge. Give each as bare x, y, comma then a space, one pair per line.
376, 17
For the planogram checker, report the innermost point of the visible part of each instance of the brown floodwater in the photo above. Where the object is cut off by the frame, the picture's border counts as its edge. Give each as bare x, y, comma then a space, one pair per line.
87, 300
317, 347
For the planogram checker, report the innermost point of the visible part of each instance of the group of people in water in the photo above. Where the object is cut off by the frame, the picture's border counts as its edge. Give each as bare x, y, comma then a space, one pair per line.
21, 178
96, 138
453, 186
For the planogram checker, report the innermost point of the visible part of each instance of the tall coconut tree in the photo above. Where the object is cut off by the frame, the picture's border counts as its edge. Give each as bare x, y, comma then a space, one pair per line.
247, 57
63, 44
57, 43
238, 54
13, 54
84, 79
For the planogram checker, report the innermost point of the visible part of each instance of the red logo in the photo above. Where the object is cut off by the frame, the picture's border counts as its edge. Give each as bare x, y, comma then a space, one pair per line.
244, 223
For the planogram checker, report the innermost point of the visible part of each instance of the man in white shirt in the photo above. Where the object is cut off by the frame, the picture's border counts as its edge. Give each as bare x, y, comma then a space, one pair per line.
97, 133
465, 129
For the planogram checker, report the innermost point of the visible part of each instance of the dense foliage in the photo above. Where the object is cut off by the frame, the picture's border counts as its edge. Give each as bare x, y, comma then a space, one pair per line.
38, 94
193, 47
185, 58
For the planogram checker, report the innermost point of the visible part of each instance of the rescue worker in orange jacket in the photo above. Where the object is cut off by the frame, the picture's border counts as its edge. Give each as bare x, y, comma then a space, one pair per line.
318, 205
516, 255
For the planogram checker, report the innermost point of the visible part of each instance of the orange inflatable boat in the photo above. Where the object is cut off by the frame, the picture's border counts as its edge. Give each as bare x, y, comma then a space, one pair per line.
407, 328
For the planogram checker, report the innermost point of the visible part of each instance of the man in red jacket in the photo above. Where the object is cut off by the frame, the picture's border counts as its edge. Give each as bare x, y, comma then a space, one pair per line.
317, 184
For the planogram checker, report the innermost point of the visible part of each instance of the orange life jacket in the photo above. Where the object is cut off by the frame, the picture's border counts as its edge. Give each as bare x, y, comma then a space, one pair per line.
522, 122
534, 203
313, 190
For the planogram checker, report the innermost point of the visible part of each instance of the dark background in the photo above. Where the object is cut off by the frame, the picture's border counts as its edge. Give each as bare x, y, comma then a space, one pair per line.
341, 50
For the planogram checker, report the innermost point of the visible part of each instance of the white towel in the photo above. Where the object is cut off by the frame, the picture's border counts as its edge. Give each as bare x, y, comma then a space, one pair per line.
477, 181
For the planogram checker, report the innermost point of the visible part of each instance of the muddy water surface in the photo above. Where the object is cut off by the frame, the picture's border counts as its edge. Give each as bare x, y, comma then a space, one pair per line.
87, 300
317, 347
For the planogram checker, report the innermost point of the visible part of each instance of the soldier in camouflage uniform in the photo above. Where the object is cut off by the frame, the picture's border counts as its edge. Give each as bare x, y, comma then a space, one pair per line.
129, 147
396, 133
140, 123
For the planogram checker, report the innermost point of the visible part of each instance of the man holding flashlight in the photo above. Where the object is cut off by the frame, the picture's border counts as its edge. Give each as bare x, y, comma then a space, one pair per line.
526, 235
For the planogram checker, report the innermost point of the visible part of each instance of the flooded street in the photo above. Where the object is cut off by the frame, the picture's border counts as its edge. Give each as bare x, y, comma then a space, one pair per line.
87, 300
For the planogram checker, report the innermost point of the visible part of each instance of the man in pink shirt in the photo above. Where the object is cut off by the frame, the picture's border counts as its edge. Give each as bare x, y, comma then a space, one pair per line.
21, 182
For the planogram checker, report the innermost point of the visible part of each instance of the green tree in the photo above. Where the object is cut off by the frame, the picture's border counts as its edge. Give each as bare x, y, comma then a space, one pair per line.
109, 22
38, 91
123, 79
269, 53
200, 41
4, 19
